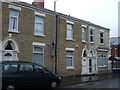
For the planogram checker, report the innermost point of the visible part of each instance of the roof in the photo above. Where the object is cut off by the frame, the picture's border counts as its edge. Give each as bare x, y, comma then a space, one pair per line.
59, 14
115, 40
14, 62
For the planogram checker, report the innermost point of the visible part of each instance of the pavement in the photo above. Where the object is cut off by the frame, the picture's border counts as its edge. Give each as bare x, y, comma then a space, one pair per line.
86, 78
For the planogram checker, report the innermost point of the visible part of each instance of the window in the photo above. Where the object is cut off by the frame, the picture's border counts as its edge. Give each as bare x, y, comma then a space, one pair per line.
101, 37
69, 57
39, 26
26, 68
91, 54
69, 31
83, 33
40, 69
13, 20
101, 60
91, 36
38, 53
10, 69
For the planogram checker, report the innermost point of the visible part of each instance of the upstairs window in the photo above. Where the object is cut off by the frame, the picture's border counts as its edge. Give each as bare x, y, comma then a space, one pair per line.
101, 37
13, 20
83, 33
91, 36
39, 26
69, 31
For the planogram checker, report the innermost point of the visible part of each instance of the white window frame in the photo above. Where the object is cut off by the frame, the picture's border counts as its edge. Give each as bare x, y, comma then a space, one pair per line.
41, 45
40, 14
92, 35
84, 33
70, 50
104, 63
38, 22
71, 30
101, 31
15, 7
17, 17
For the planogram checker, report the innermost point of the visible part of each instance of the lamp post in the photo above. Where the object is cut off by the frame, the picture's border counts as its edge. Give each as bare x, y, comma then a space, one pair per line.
54, 43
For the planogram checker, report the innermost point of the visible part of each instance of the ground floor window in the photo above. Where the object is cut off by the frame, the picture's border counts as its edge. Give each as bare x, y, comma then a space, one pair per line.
69, 58
38, 53
101, 60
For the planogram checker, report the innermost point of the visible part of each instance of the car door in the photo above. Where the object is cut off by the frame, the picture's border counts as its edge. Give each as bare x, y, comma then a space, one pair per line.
43, 76
26, 74
9, 74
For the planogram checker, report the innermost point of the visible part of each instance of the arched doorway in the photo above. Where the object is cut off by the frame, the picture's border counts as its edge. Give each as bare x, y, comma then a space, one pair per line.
10, 50
84, 63
91, 63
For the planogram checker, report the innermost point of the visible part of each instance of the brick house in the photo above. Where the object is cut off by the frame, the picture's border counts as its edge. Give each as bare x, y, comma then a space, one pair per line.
115, 46
27, 33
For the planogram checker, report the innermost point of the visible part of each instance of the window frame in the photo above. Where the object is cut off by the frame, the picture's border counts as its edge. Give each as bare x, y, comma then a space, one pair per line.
102, 60
17, 21
101, 39
92, 35
84, 29
40, 23
70, 56
34, 52
71, 32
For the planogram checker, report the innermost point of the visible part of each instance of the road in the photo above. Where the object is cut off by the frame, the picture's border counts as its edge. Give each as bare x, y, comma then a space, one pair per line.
111, 83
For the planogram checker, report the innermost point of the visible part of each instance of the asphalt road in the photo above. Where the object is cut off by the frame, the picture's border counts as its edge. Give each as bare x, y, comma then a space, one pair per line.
111, 83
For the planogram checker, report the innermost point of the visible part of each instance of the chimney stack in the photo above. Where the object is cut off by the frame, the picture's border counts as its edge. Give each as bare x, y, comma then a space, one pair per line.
39, 3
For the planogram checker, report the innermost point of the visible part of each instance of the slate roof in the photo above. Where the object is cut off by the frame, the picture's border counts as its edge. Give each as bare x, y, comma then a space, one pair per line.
60, 14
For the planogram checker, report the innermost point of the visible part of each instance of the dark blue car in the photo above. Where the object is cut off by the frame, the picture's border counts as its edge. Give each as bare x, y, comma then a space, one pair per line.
27, 75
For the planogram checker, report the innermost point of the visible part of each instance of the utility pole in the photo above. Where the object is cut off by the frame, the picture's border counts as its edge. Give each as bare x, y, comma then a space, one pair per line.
54, 53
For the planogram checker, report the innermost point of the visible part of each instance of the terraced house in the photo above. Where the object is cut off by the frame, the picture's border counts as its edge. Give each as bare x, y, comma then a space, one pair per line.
62, 43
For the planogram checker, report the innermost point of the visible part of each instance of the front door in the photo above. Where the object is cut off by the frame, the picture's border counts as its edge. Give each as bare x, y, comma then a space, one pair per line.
84, 66
90, 65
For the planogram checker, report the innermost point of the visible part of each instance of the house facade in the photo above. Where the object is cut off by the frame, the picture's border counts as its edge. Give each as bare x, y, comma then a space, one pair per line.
27, 34
115, 46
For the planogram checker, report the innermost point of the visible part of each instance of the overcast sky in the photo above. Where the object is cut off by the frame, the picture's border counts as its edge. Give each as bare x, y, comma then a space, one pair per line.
100, 12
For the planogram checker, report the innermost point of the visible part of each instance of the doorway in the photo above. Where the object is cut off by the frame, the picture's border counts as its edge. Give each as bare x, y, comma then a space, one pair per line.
10, 51
90, 65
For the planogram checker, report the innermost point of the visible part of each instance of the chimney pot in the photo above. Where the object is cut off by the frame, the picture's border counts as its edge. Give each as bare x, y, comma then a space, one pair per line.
39, 3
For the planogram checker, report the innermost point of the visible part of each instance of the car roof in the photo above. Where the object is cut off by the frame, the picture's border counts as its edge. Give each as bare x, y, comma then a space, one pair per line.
4, 62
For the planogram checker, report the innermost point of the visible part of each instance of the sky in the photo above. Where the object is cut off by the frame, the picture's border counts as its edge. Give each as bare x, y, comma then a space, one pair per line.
100, 12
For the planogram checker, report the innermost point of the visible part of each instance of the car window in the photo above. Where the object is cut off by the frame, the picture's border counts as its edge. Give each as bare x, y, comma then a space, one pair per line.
10, 69
26, 68
40, 69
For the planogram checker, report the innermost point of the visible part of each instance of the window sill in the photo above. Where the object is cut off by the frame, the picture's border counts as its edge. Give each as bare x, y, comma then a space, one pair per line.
102, 66
14, 31
39, 35
70, 39
84, 41
70, 68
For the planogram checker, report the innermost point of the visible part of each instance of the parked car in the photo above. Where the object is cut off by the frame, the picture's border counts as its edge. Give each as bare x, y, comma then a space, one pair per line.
27, 75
